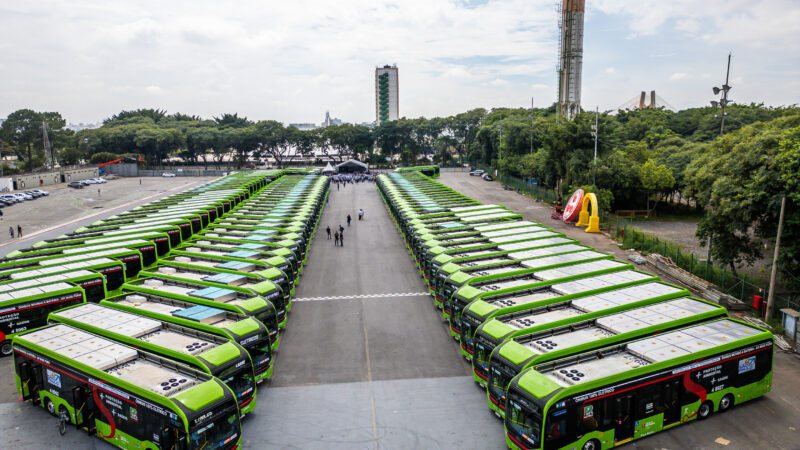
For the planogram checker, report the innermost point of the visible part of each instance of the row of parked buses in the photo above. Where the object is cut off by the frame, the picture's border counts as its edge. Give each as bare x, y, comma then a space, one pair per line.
574, 348
152, 328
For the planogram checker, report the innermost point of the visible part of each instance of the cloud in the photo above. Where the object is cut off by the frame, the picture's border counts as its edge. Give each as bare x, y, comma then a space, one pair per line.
678, 76
498, 82
609, 70
153, 90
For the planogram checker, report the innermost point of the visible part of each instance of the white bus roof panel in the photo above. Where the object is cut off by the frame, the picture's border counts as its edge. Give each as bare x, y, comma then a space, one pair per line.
600, 281
504, 225
517, 246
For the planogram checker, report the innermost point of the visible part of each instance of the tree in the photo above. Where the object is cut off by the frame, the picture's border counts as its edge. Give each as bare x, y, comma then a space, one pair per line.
655, 178
21, 129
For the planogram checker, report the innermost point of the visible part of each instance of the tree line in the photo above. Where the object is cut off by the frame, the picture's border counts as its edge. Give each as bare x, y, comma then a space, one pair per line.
643, 156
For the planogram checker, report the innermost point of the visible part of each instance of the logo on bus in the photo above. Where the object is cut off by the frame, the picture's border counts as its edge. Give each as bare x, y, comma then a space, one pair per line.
54, 378
747, 364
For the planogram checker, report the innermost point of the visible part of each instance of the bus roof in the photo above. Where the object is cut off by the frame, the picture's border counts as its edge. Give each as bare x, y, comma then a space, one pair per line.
87, 256
66, 276
139, 327
35, 290
91, 248
664, 347
47, 270
590, 304
112, 358
556, 273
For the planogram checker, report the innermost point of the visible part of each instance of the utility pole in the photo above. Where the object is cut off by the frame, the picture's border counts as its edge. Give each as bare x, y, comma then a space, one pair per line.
771, 295
595, 132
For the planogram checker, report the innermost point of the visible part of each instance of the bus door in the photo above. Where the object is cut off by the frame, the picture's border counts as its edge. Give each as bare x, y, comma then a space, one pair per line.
623, 424
83, 402
171, 438
30, 376
670, 399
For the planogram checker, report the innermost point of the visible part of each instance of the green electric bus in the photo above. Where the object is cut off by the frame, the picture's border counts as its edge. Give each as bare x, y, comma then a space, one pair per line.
172, 231
244, 330
523, 263
527, 320
93, 283
252, 281
616, 394
216, 295
524, 288
214, 355
130, 258
249, 251
130, 398
160, 240
281, 275
184, 226
112, 269
444, 284
147, 249
582, 333
430, 171
28, 308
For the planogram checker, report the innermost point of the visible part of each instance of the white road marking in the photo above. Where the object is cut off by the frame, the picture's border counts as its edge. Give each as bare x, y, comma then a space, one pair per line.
356, 297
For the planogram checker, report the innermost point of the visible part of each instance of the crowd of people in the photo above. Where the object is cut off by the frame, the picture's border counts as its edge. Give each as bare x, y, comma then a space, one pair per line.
345, 178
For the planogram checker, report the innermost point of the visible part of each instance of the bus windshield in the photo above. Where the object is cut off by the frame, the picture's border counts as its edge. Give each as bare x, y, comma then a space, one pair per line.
260, 352
239, 379
496, 385
523, 420
221, 432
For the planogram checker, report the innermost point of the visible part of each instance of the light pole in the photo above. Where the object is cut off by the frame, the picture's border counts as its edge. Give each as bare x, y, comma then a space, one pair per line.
723, 102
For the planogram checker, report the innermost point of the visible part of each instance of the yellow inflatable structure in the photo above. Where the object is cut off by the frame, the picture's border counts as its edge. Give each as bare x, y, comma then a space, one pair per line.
592, 223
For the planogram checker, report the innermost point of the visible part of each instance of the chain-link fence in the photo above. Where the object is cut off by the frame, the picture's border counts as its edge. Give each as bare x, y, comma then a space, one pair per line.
739, 286
528, 187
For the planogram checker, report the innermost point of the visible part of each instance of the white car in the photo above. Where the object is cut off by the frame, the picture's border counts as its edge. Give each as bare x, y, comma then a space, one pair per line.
167, 174
11, 198
22, 197
96, 180
41, 192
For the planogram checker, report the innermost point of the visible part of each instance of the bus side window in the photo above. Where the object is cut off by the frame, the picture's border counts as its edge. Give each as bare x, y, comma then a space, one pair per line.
558, 430
606, 418
648, 397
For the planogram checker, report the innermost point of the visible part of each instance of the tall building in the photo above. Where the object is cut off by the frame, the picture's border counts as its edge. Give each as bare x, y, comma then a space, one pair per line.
570, 58
386, 94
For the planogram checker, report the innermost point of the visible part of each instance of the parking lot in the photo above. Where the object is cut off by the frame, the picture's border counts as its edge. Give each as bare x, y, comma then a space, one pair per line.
367, 363
65, 205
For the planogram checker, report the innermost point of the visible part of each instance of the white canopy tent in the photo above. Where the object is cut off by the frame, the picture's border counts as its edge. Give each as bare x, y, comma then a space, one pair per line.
328, 169
352, 166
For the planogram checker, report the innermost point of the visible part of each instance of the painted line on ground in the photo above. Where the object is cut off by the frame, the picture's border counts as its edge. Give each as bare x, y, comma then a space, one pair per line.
356, 297
124, 205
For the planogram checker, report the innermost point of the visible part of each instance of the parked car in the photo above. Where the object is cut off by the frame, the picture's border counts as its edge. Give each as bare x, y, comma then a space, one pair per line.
6, 202
33, 194
477, 173
23, 196
487, 177
76, 185
100, 180
167, 174
8, 198
41, 192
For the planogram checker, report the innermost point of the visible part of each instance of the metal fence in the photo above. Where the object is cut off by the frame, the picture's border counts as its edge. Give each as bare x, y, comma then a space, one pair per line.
739, 286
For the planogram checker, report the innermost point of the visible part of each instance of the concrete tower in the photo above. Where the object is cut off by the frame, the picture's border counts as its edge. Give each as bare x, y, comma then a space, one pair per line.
570, 60
386, 94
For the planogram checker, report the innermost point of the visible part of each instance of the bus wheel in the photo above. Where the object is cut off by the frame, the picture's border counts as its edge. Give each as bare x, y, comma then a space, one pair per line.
5, 348
591, 444
49, 406
726, 403
705, 410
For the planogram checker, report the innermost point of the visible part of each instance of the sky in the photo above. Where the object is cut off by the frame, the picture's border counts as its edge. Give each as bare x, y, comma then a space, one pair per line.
293, 60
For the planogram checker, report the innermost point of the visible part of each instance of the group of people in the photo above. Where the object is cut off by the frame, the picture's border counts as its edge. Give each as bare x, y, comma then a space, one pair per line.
338, 235
344, 179
11, 231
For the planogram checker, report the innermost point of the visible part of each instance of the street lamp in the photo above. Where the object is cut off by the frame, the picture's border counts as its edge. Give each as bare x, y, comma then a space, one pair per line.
723, 101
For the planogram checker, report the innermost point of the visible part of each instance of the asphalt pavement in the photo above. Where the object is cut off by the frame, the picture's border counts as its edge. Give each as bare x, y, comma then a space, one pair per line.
366, 362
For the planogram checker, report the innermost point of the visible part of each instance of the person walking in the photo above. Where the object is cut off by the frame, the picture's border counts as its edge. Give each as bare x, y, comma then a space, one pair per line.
329, 232
341, 229
341, 239
336, 236
360, 214
348, 220
19, 231
11, 232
